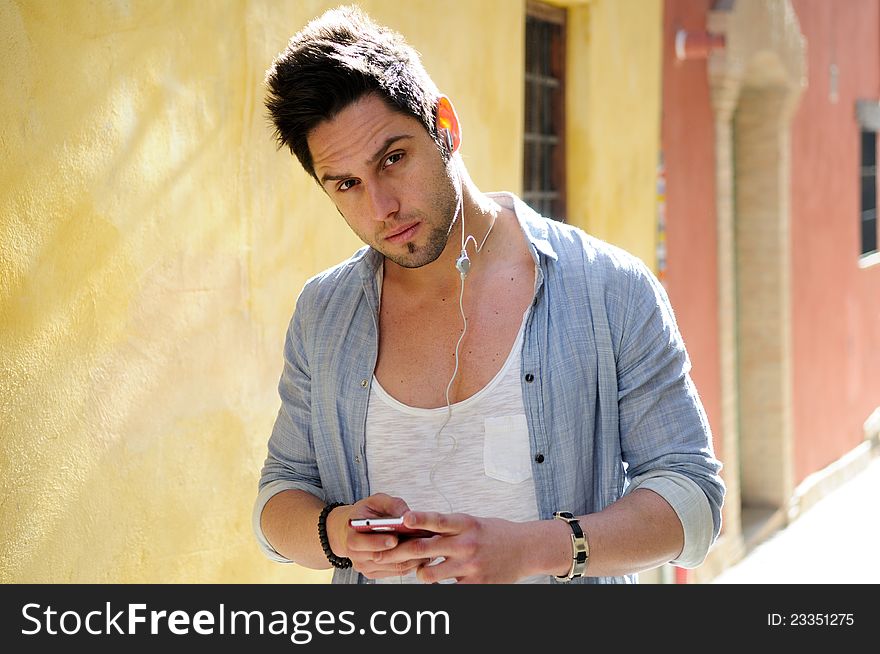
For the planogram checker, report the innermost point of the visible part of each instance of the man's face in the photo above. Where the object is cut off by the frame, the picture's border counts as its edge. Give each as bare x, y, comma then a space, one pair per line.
385, 175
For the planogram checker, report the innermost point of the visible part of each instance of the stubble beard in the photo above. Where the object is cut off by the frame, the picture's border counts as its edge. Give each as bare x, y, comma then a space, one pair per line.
443, 204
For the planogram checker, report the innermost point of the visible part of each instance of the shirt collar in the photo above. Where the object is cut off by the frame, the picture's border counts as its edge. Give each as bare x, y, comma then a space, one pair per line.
535, 226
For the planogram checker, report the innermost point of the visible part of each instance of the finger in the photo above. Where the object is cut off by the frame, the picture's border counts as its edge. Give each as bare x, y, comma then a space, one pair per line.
421, 548
434, 573
404, 552
358, 542
439, 523
387, 505
398, 570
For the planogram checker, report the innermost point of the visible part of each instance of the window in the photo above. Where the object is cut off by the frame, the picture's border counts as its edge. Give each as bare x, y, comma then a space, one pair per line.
869, 192
544, 147
868, 115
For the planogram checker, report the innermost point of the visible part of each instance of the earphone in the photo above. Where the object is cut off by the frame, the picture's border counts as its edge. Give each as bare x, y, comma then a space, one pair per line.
463, 263
447, 139
463, 266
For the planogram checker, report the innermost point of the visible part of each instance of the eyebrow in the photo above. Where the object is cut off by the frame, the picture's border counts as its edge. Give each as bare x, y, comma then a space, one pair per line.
391, 140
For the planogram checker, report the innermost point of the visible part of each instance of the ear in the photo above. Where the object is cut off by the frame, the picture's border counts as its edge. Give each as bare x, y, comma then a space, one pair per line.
448, 119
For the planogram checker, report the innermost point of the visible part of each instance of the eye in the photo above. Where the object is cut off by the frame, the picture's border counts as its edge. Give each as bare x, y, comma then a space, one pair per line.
393, 159
346, 184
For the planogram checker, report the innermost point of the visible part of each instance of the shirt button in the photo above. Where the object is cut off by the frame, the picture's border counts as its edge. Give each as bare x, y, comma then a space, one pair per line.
539, 458
530, 377
364, 383
357, 458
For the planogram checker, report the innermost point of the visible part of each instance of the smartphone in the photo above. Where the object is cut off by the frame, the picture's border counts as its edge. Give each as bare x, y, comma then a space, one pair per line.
388, 525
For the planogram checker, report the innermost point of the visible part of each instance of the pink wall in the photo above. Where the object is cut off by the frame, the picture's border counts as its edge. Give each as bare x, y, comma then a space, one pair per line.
688, 141
836, 305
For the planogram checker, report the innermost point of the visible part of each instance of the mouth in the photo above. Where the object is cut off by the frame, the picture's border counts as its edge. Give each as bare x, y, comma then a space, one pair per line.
403, 234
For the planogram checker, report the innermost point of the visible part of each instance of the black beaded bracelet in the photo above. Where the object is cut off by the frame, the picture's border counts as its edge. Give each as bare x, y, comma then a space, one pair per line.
335, 561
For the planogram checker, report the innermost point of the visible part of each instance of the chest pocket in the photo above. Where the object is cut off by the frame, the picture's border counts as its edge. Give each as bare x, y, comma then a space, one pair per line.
506, 452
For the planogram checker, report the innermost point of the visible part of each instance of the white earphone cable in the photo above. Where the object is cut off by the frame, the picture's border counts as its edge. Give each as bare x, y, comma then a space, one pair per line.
446, 420
463, 274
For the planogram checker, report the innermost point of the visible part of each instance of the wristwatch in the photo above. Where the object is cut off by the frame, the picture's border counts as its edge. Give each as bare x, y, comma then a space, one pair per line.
580, 549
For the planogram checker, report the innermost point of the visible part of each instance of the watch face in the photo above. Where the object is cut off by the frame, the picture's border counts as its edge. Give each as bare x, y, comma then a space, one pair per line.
565, 514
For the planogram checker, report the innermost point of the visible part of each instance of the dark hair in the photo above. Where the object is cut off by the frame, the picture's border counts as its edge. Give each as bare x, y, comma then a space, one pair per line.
335, 60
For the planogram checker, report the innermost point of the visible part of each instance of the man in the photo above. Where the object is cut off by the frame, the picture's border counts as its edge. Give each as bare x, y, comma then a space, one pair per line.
503, 381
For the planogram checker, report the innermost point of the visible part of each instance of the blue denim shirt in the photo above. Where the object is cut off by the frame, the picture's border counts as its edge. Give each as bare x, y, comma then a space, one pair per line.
608, 397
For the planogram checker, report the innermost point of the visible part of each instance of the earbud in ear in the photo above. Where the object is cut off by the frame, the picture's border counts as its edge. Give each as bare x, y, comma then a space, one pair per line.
447, 139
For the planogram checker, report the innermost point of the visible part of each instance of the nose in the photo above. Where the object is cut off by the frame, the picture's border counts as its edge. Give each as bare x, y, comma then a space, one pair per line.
384, 201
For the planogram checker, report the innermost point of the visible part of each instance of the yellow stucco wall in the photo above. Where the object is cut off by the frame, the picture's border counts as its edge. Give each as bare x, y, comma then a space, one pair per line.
613, 127
152, 244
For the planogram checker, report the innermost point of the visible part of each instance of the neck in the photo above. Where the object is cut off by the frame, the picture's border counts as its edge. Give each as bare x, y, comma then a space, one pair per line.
480, 232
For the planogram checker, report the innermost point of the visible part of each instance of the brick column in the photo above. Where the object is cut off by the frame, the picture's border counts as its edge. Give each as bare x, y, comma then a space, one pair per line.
755, 83
763, 322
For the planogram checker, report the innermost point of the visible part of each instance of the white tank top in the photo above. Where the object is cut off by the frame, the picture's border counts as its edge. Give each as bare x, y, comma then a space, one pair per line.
480, 464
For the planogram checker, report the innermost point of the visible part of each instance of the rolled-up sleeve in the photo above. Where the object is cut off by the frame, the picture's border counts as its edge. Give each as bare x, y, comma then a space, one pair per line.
690, 505
665, 437
291, 462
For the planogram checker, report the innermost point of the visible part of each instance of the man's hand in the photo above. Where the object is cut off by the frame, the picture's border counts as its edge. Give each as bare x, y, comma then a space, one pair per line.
369, 553
475, 550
